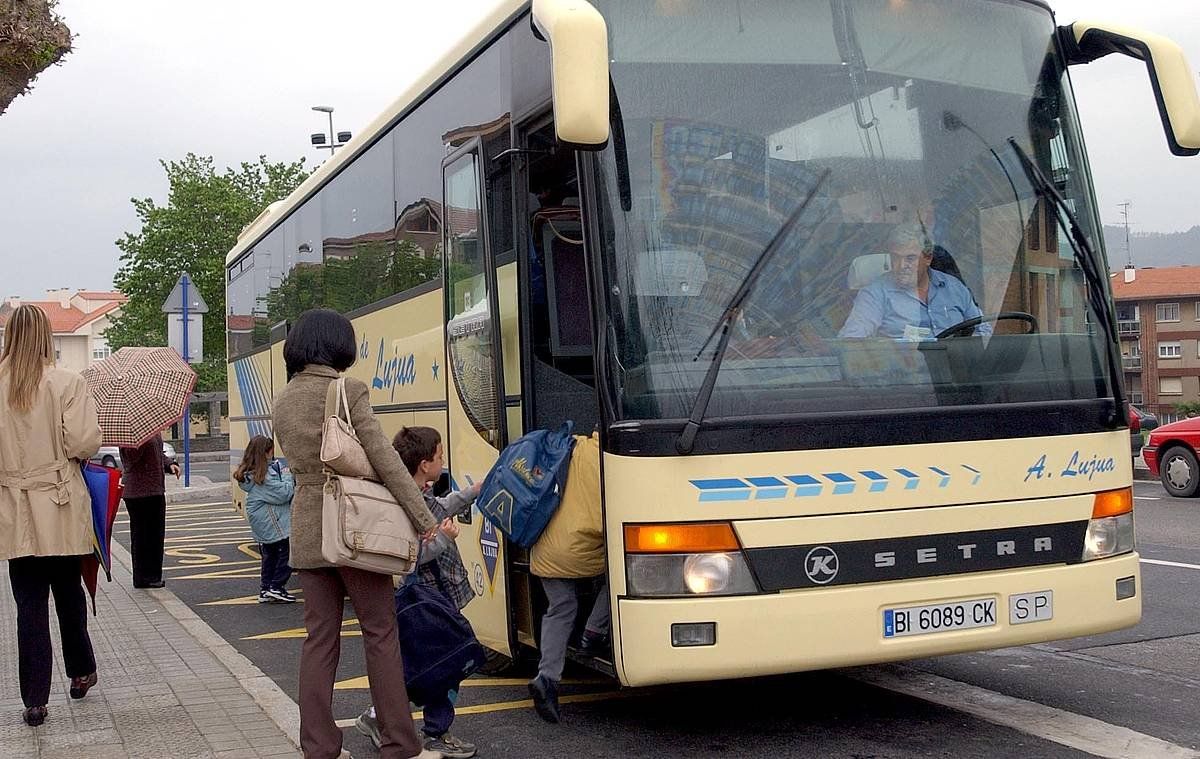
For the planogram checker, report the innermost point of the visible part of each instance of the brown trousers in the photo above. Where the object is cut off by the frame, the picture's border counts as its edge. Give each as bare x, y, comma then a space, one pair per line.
371, 594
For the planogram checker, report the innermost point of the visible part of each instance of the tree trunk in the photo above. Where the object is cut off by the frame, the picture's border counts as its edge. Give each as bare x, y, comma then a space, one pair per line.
32, 38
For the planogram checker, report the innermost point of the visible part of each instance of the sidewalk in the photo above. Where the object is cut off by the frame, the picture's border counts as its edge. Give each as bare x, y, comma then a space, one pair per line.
164, 691
202, 488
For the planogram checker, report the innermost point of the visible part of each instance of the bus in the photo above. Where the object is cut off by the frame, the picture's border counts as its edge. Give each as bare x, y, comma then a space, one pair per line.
668, 221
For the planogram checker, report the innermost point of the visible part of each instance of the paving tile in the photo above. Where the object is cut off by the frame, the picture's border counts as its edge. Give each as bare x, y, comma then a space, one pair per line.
161, 692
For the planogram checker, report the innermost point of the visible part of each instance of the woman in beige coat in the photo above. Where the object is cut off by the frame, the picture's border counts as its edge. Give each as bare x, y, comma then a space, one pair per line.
319, 347
47, 426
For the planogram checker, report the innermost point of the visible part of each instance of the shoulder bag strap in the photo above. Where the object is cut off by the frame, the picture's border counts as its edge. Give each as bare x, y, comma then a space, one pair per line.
331, 399
345, 403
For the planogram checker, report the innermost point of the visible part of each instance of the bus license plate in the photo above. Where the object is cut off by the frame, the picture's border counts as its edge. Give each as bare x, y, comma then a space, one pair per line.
935, 618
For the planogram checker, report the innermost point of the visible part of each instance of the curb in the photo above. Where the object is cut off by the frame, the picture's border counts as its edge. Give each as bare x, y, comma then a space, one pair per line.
217, 490
277, 705
203, 455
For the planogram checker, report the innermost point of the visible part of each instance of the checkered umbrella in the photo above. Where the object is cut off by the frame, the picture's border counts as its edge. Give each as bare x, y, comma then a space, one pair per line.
139, 392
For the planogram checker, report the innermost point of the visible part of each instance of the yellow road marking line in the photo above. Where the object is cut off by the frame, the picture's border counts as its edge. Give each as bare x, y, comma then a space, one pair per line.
527, 703
225, 574
220, 564
300, 632
245, 600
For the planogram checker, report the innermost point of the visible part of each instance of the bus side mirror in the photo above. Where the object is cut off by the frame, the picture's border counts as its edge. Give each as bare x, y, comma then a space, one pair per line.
578, 40
1170, 74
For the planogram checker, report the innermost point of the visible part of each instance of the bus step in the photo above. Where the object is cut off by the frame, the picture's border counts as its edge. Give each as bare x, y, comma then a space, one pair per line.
594, 663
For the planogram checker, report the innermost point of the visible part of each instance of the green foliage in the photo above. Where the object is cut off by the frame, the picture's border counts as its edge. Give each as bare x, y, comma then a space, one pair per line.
200, 223
374, 271
1188, 409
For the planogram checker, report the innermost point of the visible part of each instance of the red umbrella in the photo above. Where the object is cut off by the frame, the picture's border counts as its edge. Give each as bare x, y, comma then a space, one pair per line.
139, 392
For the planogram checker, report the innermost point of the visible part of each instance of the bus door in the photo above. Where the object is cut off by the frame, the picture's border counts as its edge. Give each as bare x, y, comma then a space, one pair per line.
476, 417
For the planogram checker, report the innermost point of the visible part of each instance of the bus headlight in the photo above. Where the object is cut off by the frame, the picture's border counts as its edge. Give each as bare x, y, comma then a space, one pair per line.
1108, 537
703, 574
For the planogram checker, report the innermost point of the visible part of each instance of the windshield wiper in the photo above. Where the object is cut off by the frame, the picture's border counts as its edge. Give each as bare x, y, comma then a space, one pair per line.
687, 438
1086, 257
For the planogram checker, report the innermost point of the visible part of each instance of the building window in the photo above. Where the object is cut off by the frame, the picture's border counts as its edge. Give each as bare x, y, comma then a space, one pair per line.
1166, 312
57, 349
1170, 386
1198, 310
100, 350
1170, 350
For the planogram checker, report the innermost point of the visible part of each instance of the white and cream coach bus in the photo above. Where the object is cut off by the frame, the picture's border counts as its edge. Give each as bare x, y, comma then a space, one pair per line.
656, 218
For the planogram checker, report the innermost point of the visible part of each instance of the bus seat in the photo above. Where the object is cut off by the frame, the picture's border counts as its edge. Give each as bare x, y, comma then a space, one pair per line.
866, 269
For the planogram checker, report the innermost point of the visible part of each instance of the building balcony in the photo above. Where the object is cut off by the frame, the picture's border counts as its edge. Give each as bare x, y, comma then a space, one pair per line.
1131, 363
1129, 327
1136, 398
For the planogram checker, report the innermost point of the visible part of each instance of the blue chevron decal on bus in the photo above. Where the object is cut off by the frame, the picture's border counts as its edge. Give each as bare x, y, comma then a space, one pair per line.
774, 487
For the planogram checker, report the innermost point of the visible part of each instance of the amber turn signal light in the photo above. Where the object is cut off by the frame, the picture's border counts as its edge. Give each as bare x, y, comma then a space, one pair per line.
680, 538
1111, 503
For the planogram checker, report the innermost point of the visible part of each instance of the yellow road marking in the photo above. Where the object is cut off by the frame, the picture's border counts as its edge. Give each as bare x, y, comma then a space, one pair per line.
220, 564
192, 556
246, 549
300, 632
362, 683
245, 600
527, 704
225, 574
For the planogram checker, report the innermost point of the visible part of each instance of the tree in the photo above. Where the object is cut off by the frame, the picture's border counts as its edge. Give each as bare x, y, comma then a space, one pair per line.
200, 223
32, 38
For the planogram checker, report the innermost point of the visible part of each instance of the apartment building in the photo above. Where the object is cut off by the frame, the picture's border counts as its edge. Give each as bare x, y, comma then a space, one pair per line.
1158, 317
78, 320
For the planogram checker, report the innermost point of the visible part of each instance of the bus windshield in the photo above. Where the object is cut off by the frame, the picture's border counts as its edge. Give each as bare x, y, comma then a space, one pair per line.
928, 270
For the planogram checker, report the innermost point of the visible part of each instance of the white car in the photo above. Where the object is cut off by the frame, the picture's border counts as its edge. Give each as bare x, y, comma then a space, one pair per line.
110, 455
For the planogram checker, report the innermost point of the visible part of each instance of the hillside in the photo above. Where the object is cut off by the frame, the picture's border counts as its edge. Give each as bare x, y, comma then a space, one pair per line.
1153, 249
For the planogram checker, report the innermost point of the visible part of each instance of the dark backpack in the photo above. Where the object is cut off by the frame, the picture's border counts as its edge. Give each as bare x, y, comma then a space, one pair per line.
523, 488
437, 643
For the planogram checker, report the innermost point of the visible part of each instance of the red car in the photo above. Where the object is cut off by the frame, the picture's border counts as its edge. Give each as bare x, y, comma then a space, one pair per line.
1171, 454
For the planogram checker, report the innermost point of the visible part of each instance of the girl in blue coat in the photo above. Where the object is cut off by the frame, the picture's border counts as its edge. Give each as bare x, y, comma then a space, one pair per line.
269, 492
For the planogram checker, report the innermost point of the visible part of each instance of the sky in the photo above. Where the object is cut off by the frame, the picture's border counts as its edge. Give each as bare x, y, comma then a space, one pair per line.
151, 80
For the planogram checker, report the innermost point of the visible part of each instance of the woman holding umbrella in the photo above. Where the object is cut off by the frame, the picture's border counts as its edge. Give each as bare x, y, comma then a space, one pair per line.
142, 471
47, 427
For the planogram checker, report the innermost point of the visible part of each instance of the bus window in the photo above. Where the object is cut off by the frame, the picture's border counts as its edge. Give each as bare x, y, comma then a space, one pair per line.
469, 329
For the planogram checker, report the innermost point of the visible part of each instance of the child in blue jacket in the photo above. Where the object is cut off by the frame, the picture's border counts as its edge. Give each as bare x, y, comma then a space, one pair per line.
269, 492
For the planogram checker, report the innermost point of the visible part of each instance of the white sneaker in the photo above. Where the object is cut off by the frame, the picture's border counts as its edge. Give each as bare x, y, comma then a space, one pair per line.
427, 754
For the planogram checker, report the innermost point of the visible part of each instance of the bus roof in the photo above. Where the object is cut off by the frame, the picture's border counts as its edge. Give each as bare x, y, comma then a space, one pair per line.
495, 19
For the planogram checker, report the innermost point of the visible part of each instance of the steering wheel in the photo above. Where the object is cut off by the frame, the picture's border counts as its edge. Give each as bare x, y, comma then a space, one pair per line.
966, 327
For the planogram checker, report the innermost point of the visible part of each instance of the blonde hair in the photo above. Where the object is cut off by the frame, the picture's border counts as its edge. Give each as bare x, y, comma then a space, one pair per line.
28, 350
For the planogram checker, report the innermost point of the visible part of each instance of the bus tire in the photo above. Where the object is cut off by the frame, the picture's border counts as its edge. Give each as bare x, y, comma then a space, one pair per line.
1179, 472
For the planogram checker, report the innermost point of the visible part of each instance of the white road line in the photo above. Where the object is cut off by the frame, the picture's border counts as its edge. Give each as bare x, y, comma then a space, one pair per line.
1146, 498
1179, 564
1046, 722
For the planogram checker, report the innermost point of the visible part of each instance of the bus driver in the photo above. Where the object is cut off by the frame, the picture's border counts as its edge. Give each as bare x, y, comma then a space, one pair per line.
912, 301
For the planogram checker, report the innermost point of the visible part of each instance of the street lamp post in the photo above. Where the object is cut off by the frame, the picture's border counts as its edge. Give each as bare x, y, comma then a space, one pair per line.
318, 139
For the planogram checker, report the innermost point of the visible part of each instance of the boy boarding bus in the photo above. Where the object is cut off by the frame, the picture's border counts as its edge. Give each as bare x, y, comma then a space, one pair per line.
827, 276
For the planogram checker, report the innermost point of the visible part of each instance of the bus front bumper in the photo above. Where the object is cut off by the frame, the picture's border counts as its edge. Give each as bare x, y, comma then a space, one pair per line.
843, 626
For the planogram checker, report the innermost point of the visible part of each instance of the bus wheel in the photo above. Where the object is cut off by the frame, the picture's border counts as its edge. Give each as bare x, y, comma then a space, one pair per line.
1179, 472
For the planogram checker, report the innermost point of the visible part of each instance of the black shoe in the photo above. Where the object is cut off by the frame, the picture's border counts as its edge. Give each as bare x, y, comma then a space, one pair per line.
595, 645
81, 685
34, 715
545, 698
155, 584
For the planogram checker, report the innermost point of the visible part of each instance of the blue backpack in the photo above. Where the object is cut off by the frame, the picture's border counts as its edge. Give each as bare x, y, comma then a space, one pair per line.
522, 490
437, 643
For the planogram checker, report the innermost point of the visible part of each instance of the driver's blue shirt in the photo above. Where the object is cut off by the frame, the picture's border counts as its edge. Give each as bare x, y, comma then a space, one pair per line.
885, 309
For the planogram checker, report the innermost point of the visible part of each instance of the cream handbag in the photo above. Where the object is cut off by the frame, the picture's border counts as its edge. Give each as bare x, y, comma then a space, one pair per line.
362, 525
